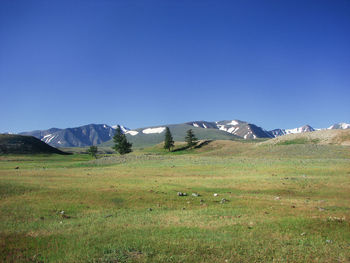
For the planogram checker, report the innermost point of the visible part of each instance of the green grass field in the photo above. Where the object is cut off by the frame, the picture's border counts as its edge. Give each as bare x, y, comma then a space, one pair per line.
282, 203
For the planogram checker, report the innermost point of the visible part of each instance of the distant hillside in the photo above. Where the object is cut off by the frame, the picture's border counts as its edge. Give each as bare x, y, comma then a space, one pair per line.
239, 128
86, 135
337, 137
221, 130
154, 135
281, 132
19, 144
307, 128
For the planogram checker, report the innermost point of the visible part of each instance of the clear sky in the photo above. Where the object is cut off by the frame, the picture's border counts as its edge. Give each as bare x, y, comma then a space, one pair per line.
277, 64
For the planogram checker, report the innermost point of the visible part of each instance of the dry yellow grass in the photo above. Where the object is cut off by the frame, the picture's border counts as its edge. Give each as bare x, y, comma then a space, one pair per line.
337, 137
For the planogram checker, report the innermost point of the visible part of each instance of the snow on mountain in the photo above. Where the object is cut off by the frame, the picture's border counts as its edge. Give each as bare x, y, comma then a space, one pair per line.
235, 127
48, 138
132, 133
202, 124
341, 125
234, 122
305, 128
243, 129
123, 128
280, 132
153, 130
94, 134
86, 135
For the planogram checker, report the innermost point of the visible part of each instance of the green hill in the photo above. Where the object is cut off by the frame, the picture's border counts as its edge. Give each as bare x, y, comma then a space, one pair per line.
178, 131
19, 144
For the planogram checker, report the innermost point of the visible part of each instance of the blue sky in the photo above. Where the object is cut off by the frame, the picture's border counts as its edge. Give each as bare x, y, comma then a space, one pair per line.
278, 64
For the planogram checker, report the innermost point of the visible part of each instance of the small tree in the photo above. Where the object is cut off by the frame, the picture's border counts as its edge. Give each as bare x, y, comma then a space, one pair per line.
168, 141
93, 151
122, 145
190, 138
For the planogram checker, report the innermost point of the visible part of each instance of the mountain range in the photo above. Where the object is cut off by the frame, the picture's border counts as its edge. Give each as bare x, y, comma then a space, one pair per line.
86, 135
102, 134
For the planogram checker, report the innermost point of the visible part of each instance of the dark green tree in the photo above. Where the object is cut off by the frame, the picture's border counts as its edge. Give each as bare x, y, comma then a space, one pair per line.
190, 138
168, 140
93, 151
122, 145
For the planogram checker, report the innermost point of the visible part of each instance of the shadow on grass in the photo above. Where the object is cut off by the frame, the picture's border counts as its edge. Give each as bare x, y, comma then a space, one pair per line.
197, 146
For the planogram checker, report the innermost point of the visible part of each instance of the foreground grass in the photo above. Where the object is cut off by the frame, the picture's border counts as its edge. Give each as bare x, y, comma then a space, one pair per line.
126, 209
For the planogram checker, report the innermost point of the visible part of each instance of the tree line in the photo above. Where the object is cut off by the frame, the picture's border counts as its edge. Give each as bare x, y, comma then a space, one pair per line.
123, 146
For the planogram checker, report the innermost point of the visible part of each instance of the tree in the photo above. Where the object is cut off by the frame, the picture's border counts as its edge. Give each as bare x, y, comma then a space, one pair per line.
168, 141
190, 138
122, 145
93, 151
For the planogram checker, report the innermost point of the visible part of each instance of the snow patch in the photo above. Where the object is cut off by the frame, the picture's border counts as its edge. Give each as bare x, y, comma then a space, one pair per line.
132, 133
222, 127
292, 131
123, 128
233, 123
153, 130
204, 126
345, 125
232, 130
195, 125
341, 125
302, 129
48, 138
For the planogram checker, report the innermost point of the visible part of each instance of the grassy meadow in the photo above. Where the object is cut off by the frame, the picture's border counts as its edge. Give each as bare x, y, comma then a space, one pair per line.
274, 203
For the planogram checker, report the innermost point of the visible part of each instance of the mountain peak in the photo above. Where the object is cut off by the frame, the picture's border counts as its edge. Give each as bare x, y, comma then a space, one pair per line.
236, 127
302, 129
341, 125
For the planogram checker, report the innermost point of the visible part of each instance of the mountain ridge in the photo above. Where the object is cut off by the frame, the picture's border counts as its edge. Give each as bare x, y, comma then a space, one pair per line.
96, 134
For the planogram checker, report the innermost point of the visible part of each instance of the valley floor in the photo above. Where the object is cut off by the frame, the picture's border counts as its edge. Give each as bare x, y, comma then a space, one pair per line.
272, 205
